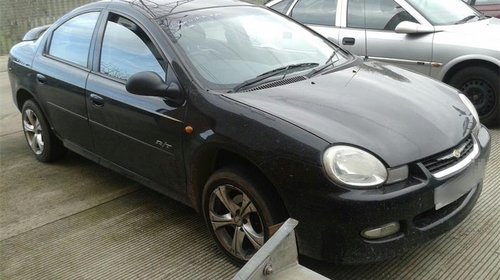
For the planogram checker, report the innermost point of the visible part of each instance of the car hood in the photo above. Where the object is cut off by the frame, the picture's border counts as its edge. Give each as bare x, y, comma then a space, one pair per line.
396, 114
478, 34
483, 26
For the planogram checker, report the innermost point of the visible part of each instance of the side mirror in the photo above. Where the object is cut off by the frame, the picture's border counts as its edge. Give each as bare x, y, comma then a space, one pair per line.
408, 27
146, 84
151, 84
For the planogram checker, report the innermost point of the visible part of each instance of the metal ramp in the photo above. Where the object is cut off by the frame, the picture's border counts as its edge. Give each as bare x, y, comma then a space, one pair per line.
278, 259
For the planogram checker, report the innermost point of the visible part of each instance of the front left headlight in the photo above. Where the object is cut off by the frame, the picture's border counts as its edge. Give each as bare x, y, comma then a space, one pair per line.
471, 108
354, 167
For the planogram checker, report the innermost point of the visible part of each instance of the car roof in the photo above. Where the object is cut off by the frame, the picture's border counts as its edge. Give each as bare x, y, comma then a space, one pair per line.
160, 8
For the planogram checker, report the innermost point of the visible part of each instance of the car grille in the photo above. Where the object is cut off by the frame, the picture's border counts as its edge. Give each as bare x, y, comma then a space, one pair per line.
278, 83
449, 158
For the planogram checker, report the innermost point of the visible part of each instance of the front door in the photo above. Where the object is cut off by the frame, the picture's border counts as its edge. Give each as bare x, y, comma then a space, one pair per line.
411, 51
139, 133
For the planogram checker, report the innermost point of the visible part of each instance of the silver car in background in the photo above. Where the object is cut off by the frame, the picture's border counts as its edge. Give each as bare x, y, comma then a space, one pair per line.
445, 39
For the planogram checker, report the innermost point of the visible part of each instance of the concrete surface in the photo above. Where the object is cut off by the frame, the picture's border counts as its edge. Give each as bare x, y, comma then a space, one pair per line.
76, 220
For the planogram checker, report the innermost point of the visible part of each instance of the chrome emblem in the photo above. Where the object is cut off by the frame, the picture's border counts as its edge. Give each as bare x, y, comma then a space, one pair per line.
163, 145
456, 153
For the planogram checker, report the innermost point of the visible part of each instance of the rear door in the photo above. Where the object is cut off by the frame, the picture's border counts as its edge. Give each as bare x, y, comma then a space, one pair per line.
378, 20
139, 133
61, 76
353, 34
320, 15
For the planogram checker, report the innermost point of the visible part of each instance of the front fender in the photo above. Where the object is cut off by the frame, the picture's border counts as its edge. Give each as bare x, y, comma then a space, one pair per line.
469, 57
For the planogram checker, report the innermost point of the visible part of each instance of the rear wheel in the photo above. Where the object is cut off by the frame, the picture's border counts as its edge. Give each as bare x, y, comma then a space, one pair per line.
482, 86
239, 212
44, 144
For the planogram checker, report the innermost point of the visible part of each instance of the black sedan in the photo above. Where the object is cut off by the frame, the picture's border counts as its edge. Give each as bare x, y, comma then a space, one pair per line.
251, 118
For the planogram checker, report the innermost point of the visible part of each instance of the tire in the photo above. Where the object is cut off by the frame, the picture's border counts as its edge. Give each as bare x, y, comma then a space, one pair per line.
482, 86
43, 143
224, 195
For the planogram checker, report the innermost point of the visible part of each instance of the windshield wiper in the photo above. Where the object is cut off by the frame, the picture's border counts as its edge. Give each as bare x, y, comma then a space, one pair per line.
281, 70
327, 64
466, 19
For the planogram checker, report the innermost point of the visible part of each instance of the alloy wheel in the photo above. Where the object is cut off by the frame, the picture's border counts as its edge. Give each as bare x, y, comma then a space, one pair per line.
33, 131
236, 221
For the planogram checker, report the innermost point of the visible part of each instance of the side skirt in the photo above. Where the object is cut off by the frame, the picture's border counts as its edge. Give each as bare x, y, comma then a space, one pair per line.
127, 173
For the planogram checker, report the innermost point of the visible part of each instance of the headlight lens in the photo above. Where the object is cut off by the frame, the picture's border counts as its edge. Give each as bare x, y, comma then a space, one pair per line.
470, 106
354, 167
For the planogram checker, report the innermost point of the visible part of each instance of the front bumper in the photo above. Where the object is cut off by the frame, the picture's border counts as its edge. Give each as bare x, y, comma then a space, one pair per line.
331, 225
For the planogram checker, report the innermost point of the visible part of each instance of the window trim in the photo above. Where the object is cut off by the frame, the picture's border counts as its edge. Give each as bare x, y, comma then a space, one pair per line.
48, 42
100, 40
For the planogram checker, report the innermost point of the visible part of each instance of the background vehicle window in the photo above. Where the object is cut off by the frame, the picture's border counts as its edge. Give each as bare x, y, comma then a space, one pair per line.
71, 40
127, 50
487, 2
380, 14
282, 6
321, 12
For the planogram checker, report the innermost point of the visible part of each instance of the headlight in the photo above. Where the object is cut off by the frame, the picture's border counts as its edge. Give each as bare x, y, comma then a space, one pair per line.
470, 106
354, 167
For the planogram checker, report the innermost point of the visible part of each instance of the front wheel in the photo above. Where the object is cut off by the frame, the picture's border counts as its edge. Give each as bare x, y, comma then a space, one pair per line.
482, 86
239, 212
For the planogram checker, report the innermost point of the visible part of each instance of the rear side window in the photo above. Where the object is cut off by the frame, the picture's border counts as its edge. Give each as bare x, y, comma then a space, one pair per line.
380, 14
319, 12
71, 40
127, 50
282, 6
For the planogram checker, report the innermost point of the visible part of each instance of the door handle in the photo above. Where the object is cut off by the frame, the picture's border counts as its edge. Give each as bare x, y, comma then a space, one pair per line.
96, 100
41, 79
348, 41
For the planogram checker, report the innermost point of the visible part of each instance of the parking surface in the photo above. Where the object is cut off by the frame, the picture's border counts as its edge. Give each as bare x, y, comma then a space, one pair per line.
76, 220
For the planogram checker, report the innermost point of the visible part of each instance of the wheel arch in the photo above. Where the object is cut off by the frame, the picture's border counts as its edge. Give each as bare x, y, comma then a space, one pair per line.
23, 95
213, 158
463, 62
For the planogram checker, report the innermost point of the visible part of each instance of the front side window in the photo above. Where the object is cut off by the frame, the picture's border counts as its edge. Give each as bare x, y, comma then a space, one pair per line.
319, 12
227, 46
445, 12
380, 14
127, 50
71, 40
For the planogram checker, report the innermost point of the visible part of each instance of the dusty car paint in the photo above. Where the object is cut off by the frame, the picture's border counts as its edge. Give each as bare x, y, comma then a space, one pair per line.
281, 131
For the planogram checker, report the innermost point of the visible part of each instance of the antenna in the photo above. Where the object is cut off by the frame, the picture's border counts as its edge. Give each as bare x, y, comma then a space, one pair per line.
366, 33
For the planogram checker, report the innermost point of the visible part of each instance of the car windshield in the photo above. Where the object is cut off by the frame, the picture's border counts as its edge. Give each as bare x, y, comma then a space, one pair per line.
232, 45
445, 12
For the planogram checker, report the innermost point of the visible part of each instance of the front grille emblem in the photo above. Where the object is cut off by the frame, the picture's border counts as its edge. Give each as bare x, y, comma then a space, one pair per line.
456, 153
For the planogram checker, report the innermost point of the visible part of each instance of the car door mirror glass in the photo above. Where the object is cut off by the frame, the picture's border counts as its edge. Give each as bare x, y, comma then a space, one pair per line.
408, 27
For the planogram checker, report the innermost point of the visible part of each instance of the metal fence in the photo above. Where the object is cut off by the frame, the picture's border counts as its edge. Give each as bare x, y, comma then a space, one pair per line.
19, 16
